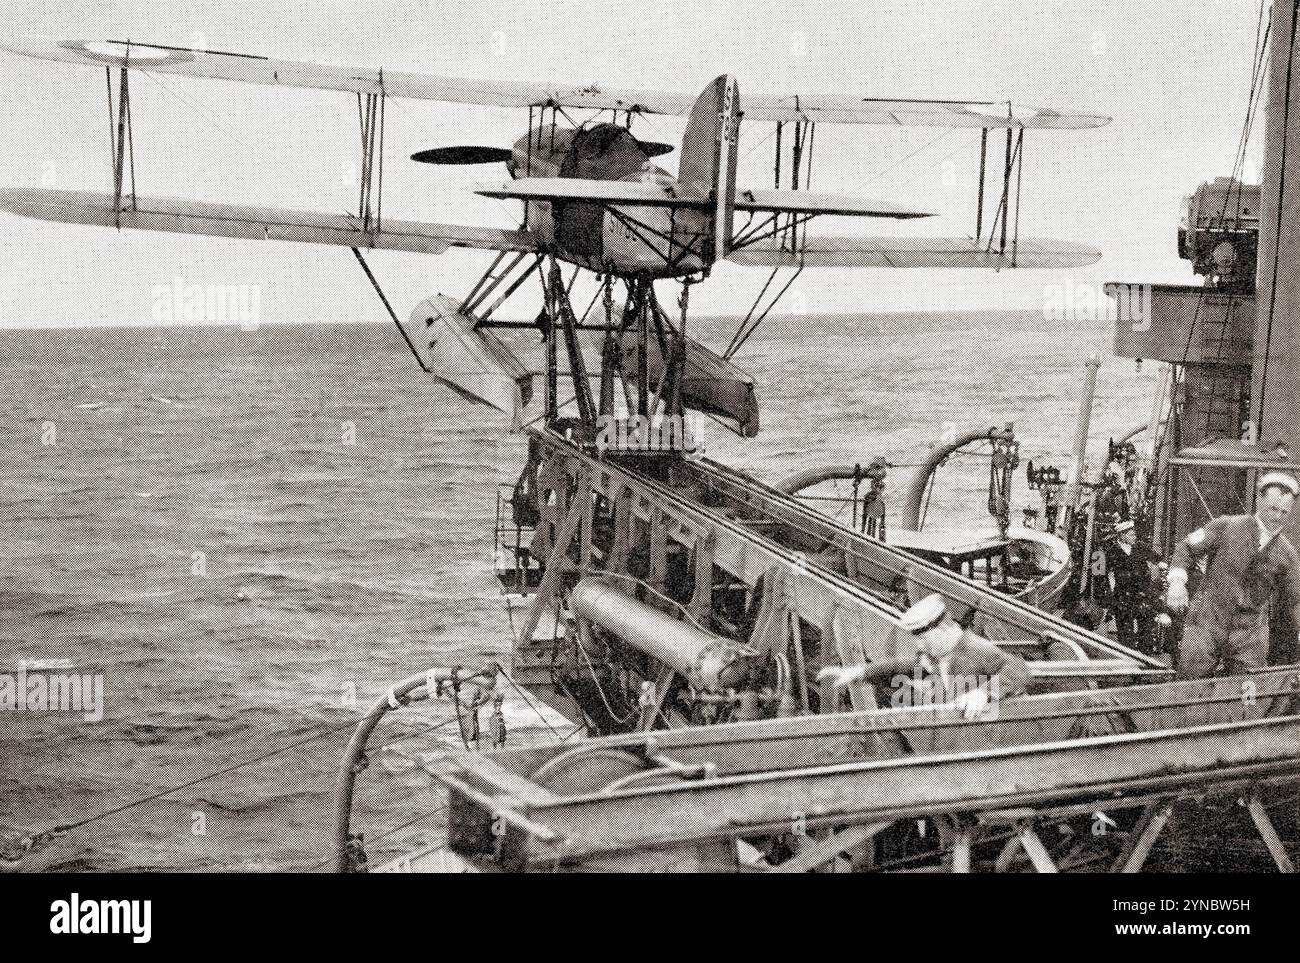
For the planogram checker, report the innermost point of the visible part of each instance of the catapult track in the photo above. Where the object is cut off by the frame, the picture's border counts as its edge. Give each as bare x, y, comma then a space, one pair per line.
845, 779
815, 573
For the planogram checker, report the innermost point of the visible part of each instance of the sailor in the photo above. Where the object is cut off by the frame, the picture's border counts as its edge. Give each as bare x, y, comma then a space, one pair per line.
952, 659
1246, 560
1129, 571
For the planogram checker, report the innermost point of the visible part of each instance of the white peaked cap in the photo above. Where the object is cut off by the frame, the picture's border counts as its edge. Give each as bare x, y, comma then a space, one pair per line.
1281, 479
925, 614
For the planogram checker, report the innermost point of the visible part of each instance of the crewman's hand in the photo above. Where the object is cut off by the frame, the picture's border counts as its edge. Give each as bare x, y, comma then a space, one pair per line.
840, 676
1177, 597
972, 703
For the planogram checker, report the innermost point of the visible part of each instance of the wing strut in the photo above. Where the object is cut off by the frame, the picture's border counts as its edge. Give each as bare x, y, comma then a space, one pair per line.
370, 111
801, 157
121, 144
389, 308
1002, 216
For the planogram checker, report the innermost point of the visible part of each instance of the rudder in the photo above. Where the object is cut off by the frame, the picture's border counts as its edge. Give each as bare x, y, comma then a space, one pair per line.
708, 162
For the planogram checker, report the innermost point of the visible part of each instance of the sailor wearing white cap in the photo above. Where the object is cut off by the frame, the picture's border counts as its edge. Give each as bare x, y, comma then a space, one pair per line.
1248, 561
925, 615
947, 655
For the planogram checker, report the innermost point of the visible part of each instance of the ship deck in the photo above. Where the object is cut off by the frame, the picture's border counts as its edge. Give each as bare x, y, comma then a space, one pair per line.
688, 798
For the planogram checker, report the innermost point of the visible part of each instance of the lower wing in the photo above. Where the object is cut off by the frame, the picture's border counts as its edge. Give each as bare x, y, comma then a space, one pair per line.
913, 252
256, 223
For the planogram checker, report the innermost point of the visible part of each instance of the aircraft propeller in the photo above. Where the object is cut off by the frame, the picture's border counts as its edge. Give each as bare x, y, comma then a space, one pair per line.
472, 154
463, 154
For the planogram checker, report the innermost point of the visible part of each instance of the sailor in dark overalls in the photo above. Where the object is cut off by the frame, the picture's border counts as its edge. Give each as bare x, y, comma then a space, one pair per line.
1128, 568
1247, 560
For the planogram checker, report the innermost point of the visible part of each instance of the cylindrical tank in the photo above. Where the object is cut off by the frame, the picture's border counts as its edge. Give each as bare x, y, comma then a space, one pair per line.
708, 661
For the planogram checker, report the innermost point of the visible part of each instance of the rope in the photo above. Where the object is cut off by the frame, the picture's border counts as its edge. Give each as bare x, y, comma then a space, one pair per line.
351, 723
193, 782
528, 699
195, 105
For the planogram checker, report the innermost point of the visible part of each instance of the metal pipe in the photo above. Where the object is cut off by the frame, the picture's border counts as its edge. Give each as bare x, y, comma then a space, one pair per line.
1153, 427
1162, 500
1158, 409
1130, 434
1081, 426
397, 696
910, 519
815, 476
707, 661
1085, 574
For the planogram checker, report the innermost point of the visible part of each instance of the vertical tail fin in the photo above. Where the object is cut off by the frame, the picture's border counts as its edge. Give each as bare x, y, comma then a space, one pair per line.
709, 160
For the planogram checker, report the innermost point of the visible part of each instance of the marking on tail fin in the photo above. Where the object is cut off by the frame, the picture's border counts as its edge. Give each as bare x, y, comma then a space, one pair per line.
725, 180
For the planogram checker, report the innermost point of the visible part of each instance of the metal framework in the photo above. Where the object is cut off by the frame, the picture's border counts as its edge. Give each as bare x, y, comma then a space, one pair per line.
820, 581
831, 786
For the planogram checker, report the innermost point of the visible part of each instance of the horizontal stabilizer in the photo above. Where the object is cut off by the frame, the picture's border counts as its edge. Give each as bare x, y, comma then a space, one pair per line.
676, 194
914, 252
819, 108
814, 202
711, 384
472, 361
255, 223
640, 193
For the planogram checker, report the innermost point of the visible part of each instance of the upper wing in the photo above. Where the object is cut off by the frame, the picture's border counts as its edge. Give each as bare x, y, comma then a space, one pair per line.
830, 109
674, 194
914, 252
839, 109
255, 223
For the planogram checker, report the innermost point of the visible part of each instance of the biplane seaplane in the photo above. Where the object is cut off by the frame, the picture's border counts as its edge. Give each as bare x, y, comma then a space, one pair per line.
694, 535
592, 197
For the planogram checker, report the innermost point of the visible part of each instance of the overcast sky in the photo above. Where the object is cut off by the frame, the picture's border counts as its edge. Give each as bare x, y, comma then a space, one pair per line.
1173, 76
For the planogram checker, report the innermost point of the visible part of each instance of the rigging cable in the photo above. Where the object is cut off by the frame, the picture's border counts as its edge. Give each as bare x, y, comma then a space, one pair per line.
65, 827
1281, 193
1263, 30
528, 699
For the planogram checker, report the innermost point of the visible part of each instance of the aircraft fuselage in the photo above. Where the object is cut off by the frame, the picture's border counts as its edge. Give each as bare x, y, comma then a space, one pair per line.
594, 236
